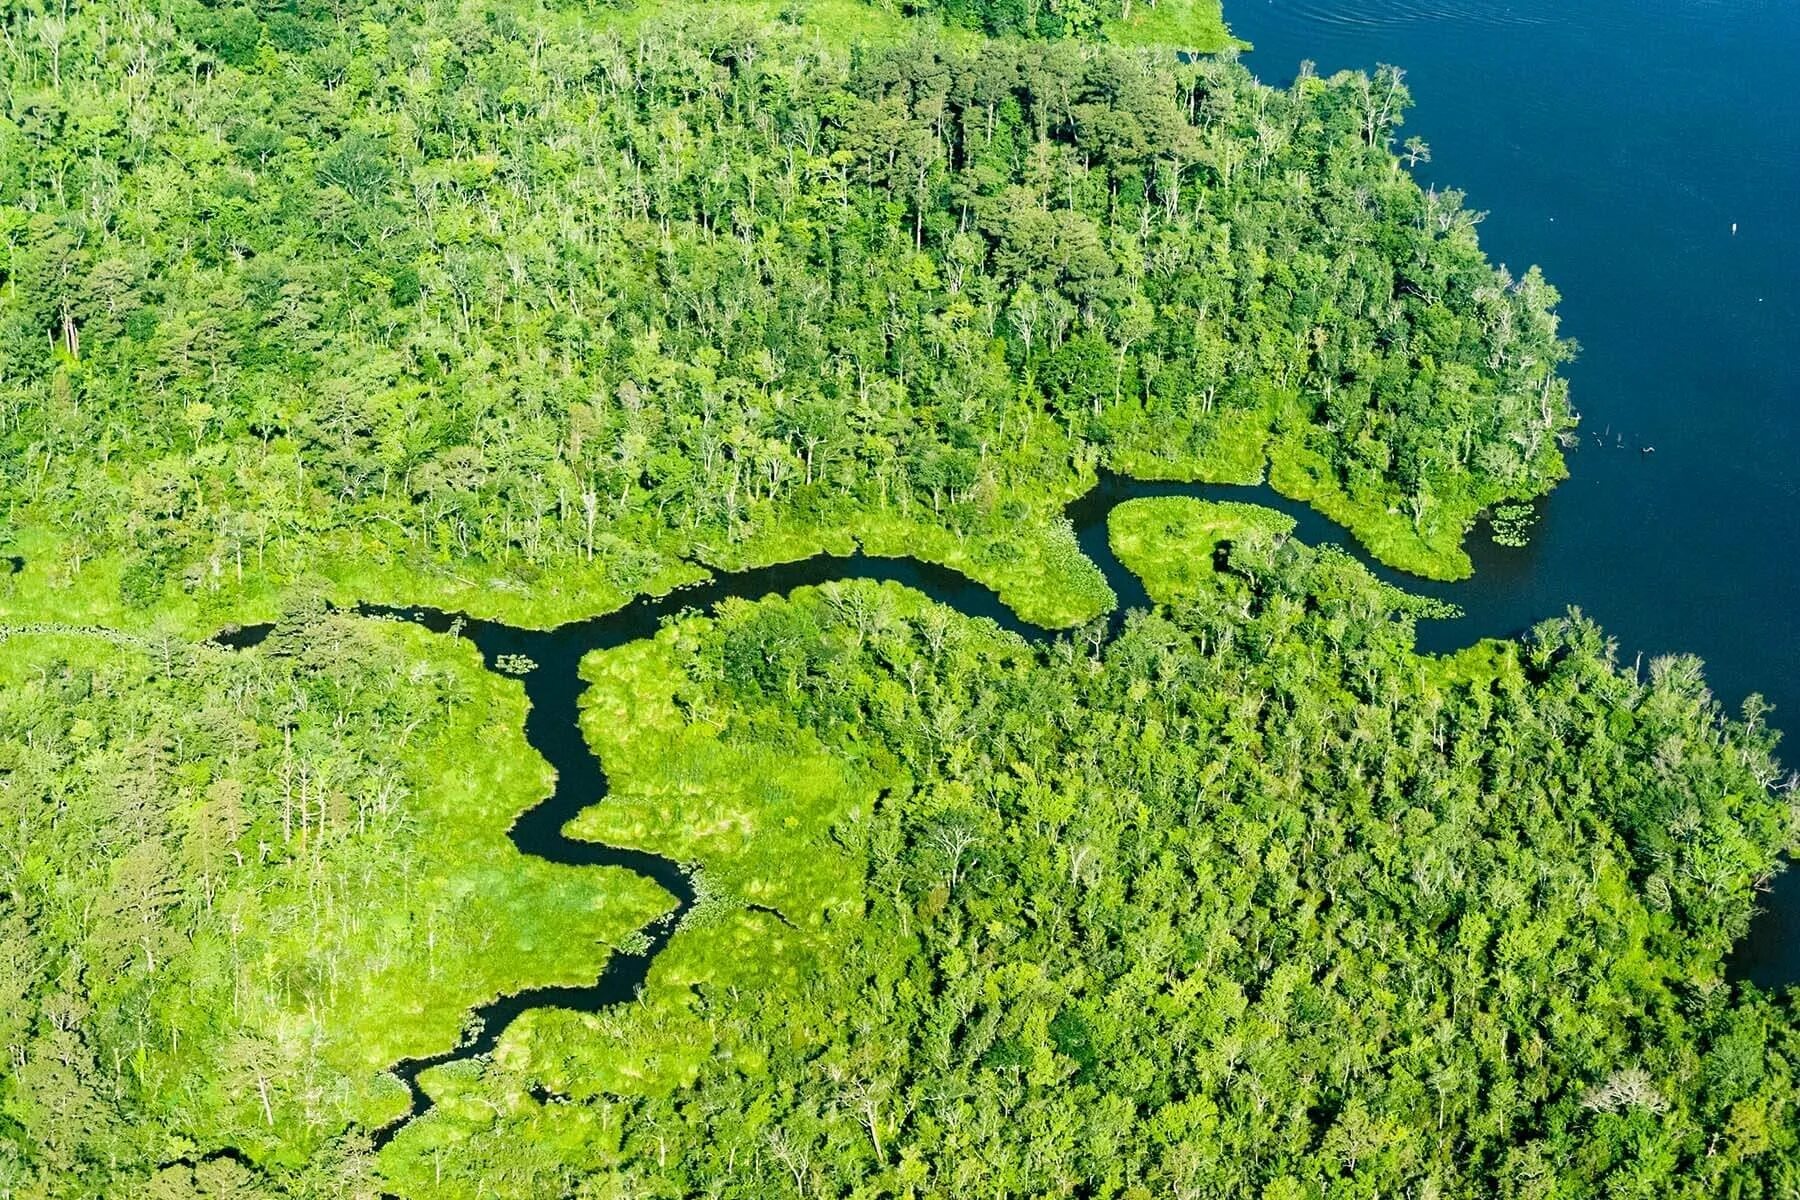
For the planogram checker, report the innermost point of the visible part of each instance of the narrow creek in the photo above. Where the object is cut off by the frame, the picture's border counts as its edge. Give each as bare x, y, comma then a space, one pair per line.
553, 688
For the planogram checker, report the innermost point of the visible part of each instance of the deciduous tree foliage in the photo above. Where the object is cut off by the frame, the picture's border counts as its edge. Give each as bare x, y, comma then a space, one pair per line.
236, 887
1252, 901
1256, 903
515, 288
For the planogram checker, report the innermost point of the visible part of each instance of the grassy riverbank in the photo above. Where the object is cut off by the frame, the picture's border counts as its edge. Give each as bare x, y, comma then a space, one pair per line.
1173, 545
357, 417
253, 880
1193, 25
1013, 895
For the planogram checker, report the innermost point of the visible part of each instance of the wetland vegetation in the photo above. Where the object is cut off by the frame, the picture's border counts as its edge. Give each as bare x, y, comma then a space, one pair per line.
311, 314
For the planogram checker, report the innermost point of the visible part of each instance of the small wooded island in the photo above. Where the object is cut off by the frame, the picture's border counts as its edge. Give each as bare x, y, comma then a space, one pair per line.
752, 664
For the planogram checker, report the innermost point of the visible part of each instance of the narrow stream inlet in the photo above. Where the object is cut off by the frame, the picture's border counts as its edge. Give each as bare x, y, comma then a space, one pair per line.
553, 687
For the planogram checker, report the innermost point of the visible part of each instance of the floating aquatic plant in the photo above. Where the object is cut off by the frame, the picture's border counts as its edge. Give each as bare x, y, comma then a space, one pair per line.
1512, 524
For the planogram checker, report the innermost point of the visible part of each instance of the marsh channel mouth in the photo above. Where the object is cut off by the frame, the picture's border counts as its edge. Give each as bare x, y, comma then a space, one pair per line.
551, 664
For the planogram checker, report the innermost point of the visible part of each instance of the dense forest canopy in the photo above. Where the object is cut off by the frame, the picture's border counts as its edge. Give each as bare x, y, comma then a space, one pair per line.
529, 308
237, 889
501, 292
1255, 901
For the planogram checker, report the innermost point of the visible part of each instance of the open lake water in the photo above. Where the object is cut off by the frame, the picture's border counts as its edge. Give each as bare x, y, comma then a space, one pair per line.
1615, 143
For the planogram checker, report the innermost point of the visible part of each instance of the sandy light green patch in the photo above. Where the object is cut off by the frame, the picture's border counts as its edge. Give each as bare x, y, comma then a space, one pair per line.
837, 23
749, 809
1193, 25
1170, 542
1036, 567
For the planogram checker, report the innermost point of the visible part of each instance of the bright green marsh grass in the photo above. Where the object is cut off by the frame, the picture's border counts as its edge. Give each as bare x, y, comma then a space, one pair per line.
349, 957
1196, 25
1169, 542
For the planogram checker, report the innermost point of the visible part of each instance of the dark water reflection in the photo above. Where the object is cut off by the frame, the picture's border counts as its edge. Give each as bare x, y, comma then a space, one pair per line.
1613, 142
549, 661
1616, 143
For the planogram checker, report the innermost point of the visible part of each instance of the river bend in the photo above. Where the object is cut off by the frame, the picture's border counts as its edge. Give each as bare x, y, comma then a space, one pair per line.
553, 687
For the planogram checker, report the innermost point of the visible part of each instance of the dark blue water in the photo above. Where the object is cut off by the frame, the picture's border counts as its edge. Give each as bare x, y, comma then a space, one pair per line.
550, 662
1615, 143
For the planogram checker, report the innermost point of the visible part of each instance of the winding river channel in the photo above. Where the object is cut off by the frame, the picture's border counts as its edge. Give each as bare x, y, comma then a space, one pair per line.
1639, 151
553, 687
